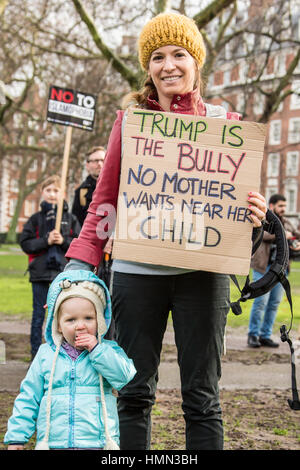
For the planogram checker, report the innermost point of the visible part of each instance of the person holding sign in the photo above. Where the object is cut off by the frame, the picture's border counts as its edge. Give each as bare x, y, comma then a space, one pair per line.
172, 52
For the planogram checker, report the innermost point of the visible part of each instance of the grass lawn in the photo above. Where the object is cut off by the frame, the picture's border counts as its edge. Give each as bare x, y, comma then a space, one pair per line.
283, 314
16, 297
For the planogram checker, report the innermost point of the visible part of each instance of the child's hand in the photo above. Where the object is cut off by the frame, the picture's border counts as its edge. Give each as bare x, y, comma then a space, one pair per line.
15, 447
85, 341
55, 238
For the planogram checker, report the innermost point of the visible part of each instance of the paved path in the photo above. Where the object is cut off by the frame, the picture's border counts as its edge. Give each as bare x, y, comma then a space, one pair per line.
235, 375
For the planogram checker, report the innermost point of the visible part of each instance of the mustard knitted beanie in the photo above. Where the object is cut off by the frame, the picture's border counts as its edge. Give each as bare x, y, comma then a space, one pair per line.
170, 29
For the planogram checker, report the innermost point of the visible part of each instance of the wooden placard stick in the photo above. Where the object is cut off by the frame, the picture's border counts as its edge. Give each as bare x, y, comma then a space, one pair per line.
63, 177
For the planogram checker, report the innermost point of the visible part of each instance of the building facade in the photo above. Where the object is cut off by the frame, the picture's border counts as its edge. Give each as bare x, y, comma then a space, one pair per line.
230, 85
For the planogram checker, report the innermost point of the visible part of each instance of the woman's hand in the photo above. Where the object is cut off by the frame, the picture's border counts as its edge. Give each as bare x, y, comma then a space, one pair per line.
15, 447
258, 207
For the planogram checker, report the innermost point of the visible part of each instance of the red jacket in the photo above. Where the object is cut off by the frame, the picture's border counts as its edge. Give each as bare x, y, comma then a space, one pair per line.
88, 247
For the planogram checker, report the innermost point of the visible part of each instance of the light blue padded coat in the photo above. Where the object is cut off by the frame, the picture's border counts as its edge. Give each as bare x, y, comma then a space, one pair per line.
77, 418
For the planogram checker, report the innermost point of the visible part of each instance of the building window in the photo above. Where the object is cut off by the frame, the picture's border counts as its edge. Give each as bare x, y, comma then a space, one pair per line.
294, 131
275, 132
14, 185
29, 208
292, 159
295, 97
273, 165
225, 105
240, 102
259, 102
269, 192
31, 140
226, 77
291, 199
279, 63
12, 206
17, 120
33, 166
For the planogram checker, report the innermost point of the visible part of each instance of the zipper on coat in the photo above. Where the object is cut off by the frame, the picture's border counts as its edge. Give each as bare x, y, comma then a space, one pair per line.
72, 398
72, 404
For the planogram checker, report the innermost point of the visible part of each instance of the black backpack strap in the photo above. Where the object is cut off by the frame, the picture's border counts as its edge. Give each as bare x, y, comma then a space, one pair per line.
276, 273
235, 306
257, 237
277, 270
294, 403
284, 335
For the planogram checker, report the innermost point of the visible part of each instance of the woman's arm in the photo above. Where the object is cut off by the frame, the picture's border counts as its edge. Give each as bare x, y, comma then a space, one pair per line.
88, 247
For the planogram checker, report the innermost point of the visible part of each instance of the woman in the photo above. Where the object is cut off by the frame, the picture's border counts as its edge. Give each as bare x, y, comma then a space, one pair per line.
172, 52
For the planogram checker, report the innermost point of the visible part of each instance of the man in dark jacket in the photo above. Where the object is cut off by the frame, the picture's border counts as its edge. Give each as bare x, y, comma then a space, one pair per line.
264, 308
46, 248
83, 196
84, 193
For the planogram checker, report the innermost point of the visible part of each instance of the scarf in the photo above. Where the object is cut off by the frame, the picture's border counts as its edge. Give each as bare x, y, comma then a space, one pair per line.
53, 253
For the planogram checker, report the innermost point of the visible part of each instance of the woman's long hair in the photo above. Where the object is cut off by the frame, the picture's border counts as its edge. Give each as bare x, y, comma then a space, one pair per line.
140, 98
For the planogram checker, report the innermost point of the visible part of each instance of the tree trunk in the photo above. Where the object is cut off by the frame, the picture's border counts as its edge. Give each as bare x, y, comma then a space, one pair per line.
11, 236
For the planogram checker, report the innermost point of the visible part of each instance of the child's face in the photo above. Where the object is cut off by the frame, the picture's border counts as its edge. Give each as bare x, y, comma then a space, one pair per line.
50, 194
76, 316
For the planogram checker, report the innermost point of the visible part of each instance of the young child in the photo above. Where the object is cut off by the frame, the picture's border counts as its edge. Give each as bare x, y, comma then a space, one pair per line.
66, 395
46, 248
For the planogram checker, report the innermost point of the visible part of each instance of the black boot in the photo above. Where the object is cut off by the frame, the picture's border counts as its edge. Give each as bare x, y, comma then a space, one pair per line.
253, 341
268, 342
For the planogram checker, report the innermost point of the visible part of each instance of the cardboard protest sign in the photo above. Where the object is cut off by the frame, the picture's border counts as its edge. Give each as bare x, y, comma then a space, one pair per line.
184, 189
71, 108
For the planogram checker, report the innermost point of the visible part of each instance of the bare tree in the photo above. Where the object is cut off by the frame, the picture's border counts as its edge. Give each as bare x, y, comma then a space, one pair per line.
30, 67
81, 45
223, 26
253, 45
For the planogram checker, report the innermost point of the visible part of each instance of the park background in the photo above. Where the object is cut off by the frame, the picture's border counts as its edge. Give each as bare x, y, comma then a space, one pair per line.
252, 67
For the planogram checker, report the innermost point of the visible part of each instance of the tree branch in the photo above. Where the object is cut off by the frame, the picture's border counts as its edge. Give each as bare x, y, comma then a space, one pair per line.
161, 6
62, 52
274, 98
126, 73
211, 11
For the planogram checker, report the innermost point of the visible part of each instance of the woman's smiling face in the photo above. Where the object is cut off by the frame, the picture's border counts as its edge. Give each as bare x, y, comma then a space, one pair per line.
173, 71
